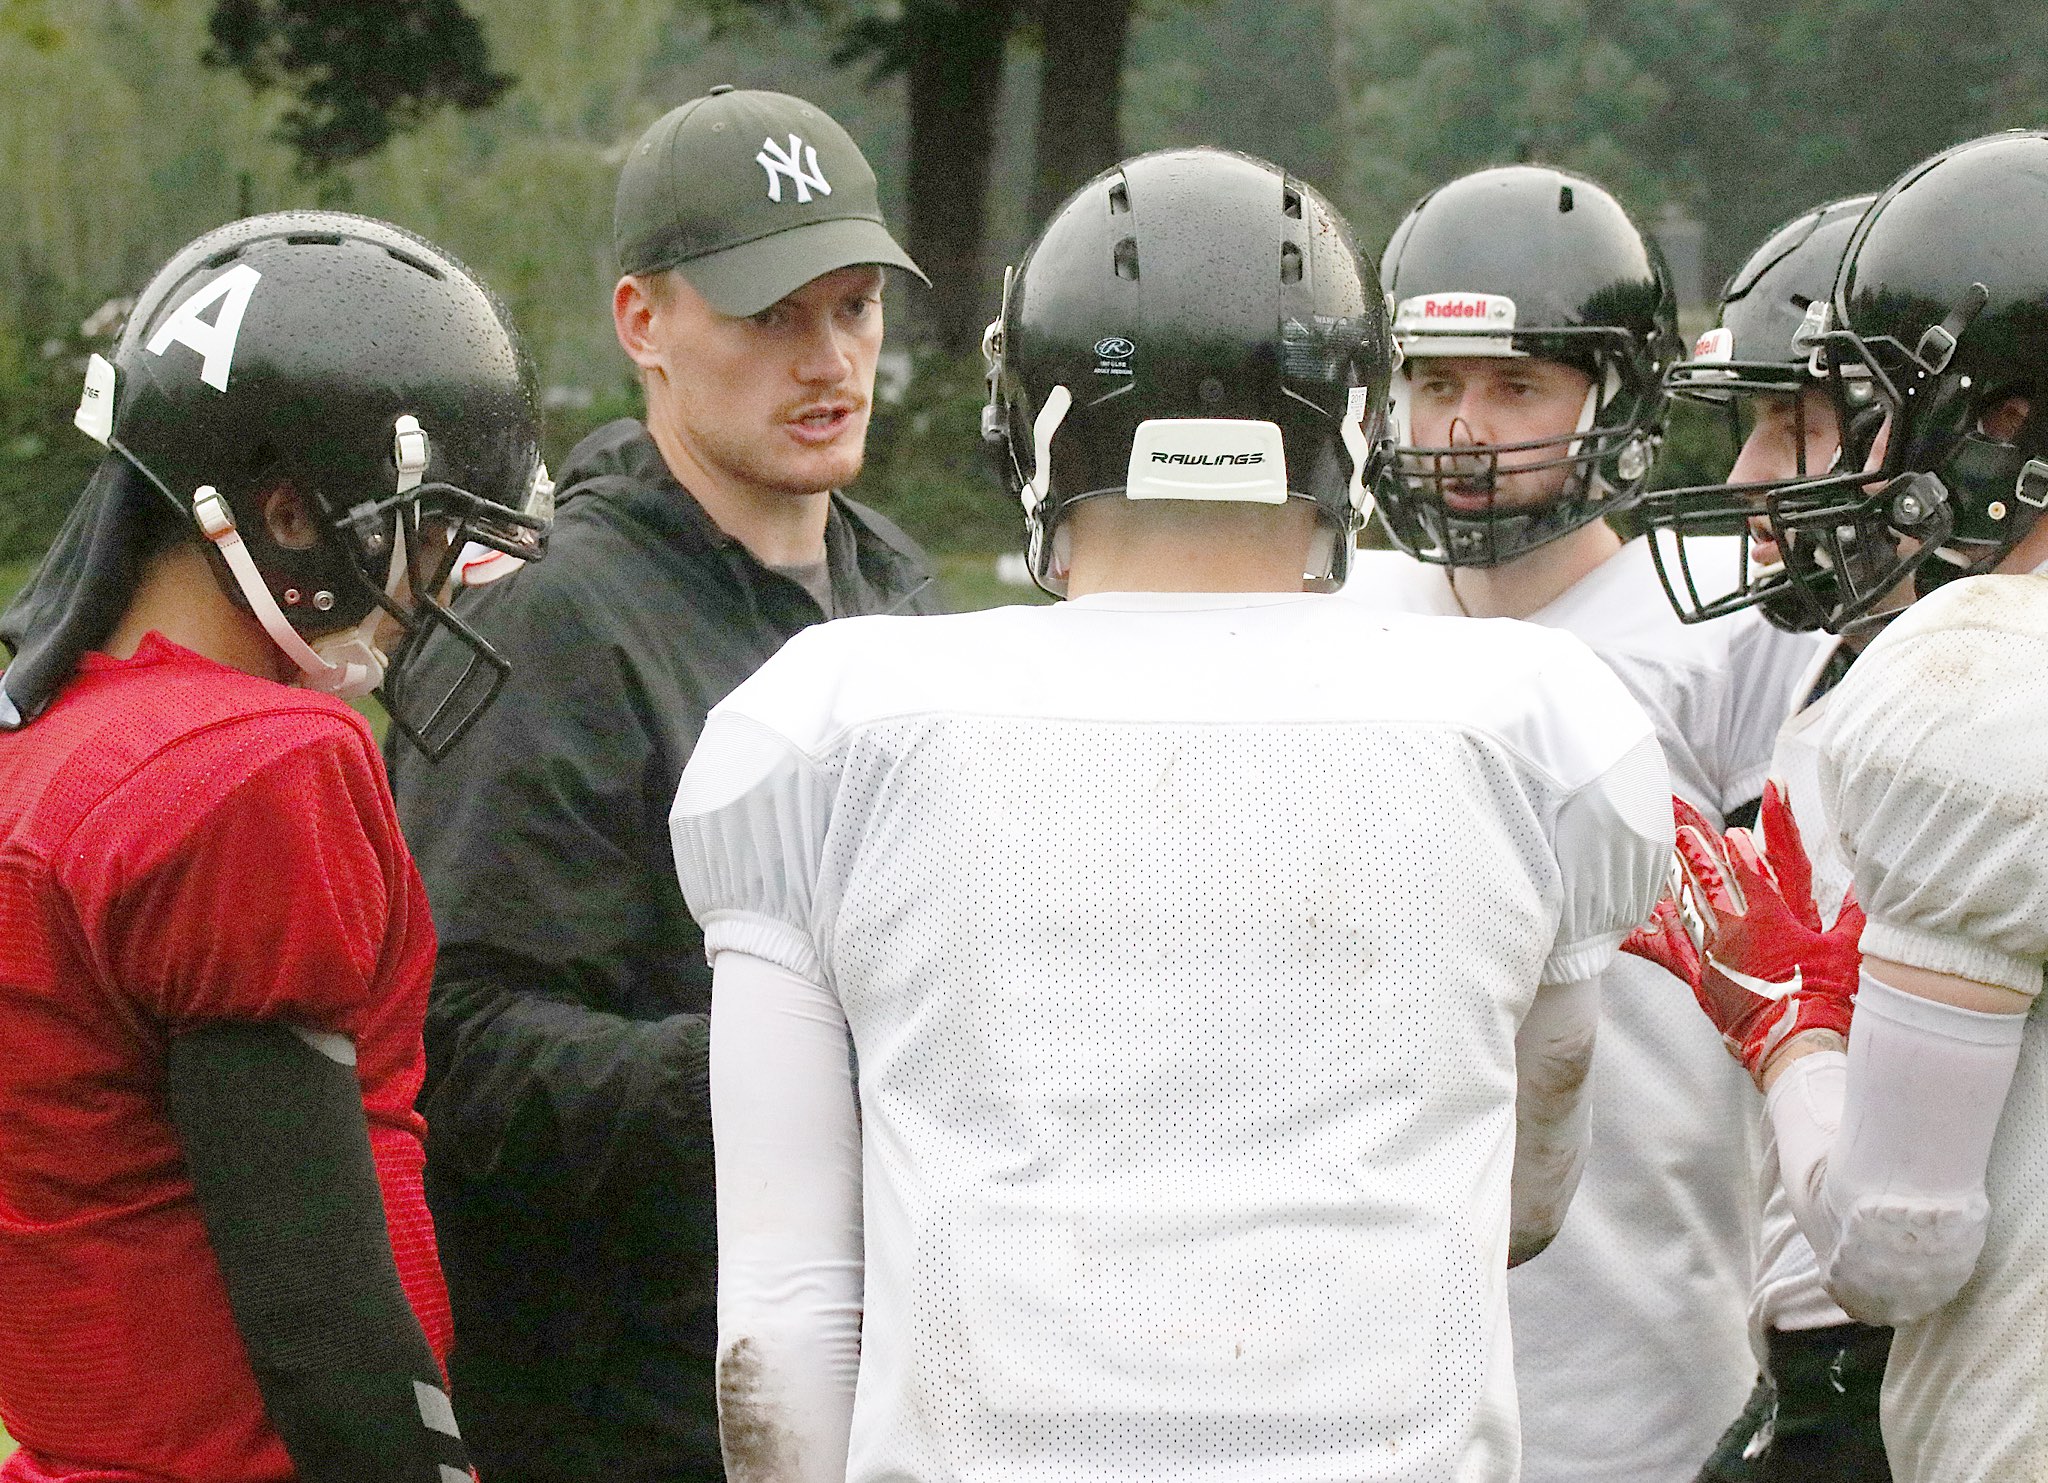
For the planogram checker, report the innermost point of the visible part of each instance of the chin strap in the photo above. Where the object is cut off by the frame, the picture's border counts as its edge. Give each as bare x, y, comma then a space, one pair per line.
352, 667
348, 665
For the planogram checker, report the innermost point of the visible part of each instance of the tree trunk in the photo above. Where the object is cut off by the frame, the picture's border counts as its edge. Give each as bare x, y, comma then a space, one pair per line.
1080, 95
955, 50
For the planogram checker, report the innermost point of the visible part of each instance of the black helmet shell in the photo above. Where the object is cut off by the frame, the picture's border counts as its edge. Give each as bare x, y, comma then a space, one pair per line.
345, 324
1188, 283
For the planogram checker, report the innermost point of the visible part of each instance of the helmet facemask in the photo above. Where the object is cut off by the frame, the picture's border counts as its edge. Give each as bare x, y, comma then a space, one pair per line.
1607, 455
1944, 500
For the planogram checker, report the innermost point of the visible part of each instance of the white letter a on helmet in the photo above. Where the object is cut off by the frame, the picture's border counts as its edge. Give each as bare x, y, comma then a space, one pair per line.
215, 342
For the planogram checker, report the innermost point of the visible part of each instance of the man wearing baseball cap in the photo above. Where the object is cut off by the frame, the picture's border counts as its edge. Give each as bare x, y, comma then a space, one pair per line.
569, 1158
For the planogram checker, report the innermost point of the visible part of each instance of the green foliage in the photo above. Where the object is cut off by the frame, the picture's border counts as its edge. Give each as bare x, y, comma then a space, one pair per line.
44, 461
358, 71
1748, 117
927, 468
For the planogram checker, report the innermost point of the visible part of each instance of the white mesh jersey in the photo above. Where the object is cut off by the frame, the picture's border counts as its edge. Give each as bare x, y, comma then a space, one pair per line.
1931, 766
1183, 942
1789, 1294
1633, 1349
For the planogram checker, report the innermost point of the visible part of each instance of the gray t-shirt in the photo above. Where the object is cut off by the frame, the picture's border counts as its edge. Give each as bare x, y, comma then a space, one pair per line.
815, 577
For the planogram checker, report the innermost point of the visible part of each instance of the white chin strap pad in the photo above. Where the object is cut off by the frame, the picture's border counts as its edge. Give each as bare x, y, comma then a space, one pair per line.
1048, 421
1352, 430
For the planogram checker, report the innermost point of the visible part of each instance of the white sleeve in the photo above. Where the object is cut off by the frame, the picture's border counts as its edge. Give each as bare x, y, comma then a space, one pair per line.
748, 830
1553, 1053
1930, 768
786, 1133
1765, 668
1612, 838
1883, 1151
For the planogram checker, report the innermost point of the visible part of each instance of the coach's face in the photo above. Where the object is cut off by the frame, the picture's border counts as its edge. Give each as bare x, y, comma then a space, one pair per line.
1484, 402
773, 404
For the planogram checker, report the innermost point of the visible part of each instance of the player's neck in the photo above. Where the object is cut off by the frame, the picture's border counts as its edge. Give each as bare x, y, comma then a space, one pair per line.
178, 597
1121, 546
1532, 582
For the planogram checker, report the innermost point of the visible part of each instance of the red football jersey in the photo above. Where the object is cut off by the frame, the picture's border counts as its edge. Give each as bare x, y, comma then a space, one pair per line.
179, 843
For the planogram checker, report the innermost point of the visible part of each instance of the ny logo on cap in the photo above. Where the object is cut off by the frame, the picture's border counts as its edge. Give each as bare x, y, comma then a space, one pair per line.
799, 162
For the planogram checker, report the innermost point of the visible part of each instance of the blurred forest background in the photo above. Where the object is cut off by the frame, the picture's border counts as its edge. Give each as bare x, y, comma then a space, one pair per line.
496, 128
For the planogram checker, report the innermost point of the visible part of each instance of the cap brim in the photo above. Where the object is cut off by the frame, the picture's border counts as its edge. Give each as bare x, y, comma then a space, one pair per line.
746, 279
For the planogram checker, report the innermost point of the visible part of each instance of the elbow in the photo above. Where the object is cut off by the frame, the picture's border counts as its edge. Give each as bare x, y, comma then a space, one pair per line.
753, 1431
1900, 1258
1524, 1244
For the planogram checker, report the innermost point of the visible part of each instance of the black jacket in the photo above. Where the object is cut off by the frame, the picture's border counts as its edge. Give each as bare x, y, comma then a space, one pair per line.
569, 1160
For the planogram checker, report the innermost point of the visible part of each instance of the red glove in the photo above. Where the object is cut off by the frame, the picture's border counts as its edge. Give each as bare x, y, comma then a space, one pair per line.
1768, 969
1667, 939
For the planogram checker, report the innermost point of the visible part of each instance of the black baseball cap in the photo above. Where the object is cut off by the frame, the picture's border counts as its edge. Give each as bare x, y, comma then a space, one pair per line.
749, 195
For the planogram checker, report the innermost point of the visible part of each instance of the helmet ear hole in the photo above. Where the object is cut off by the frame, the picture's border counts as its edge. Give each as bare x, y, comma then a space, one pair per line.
288, 520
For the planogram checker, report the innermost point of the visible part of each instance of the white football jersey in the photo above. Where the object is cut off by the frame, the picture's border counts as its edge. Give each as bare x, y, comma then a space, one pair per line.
1183, 941
1632, 1344
1789, 1294
1931, 765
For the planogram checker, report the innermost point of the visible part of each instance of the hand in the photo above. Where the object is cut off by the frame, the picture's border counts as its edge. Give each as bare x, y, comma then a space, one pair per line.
1666, 939
1768, 970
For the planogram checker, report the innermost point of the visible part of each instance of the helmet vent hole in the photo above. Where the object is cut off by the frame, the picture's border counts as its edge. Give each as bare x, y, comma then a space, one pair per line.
314, 239
1290, 202
1290, 263
1119, 199
1564, 198
416, 262
1126, 258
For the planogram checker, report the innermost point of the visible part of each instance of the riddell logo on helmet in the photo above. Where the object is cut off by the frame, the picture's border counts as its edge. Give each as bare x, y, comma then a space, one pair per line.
1486, 313
1198, 460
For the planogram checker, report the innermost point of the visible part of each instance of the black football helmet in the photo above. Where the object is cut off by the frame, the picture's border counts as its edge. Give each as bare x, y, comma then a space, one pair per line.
1525, 260
1191, 324
370, 372
1758, 349
1938, 318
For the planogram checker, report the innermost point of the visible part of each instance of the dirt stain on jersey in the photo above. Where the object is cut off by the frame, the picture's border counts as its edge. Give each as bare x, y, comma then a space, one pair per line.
750, 1429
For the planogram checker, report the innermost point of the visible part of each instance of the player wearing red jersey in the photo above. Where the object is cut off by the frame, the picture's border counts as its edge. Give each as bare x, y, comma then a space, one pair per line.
215, 1260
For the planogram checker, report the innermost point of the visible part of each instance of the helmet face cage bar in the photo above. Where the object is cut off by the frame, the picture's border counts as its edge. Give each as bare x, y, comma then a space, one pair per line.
1609, 457
1844, 535
1688, 520
434, 717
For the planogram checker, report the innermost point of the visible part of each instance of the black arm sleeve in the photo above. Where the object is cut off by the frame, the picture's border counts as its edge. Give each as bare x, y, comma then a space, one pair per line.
274, 1135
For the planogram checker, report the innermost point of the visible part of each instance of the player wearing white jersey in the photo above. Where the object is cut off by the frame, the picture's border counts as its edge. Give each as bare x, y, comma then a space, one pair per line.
1815, 1414
1536, 322
1140, 1045
1913, 1162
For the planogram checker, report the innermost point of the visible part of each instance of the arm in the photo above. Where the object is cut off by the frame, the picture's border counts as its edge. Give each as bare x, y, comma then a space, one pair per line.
271, 1123
1884, 1150
790, 1266
542, 842
1553, 1053
527, 1083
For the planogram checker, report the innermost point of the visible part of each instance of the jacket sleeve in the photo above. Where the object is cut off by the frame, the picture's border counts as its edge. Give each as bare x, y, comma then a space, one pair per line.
566, 1039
